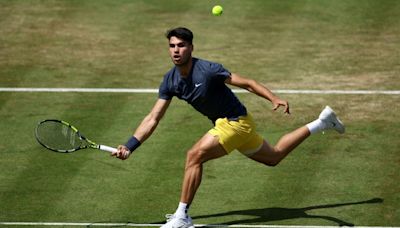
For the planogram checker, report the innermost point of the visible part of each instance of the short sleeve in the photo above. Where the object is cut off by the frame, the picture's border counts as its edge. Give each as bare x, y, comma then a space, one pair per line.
164, 92
219, 71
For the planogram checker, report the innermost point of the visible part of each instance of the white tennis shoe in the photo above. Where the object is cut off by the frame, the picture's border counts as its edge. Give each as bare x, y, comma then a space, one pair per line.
328, 116
175, 222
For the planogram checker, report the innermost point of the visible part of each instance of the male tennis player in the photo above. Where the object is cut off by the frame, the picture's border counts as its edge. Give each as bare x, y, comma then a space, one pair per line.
203, 85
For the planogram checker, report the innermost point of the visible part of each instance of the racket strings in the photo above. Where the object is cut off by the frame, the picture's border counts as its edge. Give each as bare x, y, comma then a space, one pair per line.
57, 136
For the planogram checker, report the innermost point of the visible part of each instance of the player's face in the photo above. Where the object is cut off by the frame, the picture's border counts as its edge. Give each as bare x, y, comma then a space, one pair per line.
180, 51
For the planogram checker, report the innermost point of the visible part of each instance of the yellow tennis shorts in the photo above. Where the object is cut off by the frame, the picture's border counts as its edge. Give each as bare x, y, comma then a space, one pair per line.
238, 134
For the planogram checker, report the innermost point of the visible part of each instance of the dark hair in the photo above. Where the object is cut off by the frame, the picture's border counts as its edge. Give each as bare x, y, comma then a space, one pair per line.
182, 33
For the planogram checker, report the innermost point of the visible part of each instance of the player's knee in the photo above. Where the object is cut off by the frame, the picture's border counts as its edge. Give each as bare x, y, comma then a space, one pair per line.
272, 163
279, 155
268, 161
272, 159
194, 157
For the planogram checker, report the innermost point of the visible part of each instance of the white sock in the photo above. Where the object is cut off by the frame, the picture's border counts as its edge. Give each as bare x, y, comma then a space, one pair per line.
316, 126
182, 210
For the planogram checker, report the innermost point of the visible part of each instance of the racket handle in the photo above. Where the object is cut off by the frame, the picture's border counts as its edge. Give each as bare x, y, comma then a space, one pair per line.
107, 148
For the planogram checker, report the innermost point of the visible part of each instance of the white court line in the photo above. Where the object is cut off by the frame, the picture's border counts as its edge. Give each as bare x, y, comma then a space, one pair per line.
158, 225
144, 90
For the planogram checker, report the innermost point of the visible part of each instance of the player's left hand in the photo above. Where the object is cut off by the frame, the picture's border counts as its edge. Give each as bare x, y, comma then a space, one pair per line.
278, 102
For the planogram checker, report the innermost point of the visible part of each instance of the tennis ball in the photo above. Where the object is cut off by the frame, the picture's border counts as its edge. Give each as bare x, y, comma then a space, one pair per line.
217, 10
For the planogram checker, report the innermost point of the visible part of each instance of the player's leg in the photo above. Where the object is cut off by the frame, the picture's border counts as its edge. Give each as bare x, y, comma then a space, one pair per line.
207, 148
272, 155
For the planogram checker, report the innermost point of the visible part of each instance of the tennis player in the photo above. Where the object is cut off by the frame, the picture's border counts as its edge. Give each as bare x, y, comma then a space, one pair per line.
203, 85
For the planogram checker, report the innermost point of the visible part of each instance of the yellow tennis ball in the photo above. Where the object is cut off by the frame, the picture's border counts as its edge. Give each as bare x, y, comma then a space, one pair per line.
217, 10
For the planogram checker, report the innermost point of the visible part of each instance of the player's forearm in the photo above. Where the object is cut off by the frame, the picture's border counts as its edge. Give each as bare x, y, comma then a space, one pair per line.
252, 86
150, 122
144, 131
261, 91
146, 128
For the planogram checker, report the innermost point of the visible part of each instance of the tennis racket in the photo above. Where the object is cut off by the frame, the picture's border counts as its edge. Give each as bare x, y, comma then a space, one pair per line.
60, 136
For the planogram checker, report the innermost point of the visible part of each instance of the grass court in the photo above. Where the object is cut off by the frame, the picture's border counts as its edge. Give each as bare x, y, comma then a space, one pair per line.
329, 180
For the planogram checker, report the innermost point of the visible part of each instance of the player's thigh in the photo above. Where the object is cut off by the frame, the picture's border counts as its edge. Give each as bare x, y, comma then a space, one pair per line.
207, 148
266, 155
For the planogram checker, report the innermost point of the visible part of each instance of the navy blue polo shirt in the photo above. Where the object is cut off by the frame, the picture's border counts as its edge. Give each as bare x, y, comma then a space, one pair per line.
205, 89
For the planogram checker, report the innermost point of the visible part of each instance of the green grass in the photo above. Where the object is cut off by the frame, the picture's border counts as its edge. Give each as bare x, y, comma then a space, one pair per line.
284, 44
341, 43
37, 185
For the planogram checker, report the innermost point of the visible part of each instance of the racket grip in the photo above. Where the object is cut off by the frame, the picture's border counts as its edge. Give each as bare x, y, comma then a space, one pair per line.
107, 148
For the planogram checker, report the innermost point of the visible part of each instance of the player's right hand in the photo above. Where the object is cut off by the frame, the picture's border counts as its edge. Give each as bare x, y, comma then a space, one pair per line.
122, 152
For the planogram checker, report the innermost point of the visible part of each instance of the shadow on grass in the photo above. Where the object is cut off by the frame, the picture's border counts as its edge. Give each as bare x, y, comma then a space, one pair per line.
264, 215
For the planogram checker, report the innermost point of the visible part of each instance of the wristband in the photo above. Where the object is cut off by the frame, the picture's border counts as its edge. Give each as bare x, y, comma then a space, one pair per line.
132, 143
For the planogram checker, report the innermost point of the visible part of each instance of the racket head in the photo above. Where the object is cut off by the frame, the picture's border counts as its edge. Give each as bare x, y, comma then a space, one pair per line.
59, 136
